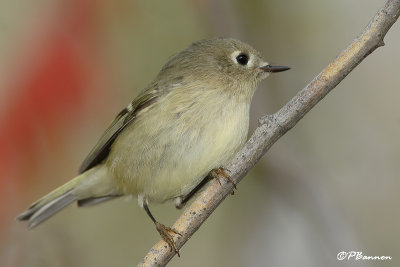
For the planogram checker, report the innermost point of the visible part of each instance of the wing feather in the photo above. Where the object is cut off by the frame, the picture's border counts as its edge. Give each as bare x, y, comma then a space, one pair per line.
121, 121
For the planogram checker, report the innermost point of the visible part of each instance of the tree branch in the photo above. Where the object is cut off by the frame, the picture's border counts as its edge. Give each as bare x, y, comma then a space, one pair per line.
272, 127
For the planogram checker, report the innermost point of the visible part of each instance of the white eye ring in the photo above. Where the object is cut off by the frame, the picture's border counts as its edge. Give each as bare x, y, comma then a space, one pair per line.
250, 57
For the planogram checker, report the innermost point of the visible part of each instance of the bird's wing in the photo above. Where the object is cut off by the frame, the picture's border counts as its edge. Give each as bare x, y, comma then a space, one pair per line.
123, 119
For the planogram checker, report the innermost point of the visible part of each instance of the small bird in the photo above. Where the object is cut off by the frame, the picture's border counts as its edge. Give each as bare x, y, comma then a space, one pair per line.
188, 122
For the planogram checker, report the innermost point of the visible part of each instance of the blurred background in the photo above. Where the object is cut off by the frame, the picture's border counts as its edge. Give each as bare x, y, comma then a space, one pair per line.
331, 184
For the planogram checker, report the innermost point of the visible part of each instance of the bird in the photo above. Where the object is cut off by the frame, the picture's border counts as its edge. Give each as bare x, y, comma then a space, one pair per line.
186, 124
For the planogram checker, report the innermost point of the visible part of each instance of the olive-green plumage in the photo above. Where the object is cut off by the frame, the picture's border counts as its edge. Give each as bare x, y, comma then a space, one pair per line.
193, 117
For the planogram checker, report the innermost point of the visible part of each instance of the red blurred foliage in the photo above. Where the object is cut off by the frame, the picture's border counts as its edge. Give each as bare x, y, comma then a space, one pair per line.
49, 96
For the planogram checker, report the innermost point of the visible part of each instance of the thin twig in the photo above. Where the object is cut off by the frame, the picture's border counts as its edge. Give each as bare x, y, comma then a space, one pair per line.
272, 127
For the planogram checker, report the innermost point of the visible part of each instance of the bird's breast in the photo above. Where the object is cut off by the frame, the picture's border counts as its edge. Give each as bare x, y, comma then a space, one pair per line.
174, 145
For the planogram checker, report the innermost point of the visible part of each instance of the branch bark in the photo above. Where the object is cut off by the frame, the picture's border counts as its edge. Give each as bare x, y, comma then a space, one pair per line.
272, 127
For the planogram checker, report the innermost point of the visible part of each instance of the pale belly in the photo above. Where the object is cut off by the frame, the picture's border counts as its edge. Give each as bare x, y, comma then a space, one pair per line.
165, 158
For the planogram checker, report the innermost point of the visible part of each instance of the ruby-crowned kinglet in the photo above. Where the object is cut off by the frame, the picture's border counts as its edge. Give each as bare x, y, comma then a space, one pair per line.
191, 119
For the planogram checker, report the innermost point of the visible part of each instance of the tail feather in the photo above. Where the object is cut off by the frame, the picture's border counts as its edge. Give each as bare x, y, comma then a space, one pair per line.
88, 202
90, 187
41, 213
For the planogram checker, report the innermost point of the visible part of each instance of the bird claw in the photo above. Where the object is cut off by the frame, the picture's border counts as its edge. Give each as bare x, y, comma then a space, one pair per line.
167, 237
218, 172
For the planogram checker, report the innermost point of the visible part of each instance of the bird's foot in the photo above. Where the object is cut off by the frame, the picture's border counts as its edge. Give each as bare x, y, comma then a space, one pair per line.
167, 237
221, 171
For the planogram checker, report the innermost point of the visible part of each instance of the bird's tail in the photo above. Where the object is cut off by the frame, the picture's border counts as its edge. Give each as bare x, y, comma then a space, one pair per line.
86, 187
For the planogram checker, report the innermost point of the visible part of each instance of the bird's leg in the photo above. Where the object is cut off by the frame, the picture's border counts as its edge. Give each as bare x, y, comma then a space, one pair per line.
214, 174
163, 230
181, 201
218, 172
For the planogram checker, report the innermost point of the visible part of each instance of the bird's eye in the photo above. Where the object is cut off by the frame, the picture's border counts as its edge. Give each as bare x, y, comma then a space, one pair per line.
242, 59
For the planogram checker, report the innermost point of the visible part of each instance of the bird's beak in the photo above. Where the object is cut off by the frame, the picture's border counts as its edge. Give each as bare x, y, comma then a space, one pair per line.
269, 68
